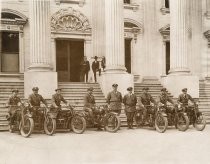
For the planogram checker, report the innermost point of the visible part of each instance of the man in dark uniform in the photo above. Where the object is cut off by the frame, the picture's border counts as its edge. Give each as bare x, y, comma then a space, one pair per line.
114, 99
12, 103
35, 100
89, 102
145, 101
184, 98
95, 68
57, 98
103, 63
84, 69
163, 99
130, 101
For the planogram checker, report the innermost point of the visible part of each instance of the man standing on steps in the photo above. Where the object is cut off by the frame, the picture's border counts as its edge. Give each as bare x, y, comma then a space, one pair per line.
84, 69
12, 104
95, 68
114, 99
130, 101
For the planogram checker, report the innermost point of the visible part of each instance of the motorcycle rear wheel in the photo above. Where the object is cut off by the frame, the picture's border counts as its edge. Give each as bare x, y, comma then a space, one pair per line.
200, 123
182, 122
78, 124
27, 128
50, 126
161, 123
112, 123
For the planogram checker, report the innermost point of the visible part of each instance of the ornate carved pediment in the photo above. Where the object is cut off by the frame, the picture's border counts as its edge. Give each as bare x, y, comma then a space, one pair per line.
70, 20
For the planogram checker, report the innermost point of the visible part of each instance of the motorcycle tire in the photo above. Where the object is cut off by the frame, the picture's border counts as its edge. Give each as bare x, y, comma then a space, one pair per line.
180, 125
78, 124
25, 130
52, 123
138, 118
115, 123
161, 123
200, 123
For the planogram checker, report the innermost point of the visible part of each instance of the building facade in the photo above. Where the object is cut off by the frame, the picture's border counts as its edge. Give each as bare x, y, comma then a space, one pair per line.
44, 41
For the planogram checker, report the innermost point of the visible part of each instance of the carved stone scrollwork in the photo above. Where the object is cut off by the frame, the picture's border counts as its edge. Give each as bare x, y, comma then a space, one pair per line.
68, 20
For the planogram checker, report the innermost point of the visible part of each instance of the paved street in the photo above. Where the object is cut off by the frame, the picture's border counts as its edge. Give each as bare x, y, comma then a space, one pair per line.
127, 146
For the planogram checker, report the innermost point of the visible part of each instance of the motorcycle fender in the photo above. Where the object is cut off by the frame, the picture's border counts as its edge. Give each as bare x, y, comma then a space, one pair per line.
185, 114
164, 115
113, 113
52, 115
29, 115
80, 114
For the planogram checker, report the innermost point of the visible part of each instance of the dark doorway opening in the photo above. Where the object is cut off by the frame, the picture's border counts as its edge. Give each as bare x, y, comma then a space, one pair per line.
69, 54
167, 57
128, 55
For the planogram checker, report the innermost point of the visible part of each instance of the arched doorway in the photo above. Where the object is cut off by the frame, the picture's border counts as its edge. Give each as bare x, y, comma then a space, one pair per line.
70, 30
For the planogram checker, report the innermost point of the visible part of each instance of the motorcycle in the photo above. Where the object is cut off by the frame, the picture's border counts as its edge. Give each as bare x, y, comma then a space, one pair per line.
156, 119
43, 119
68, 119
103, 117
177, 118
196, 118
26, 124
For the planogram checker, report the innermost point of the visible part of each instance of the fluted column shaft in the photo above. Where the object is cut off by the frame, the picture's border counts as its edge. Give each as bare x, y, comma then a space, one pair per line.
40, 58
208, 9
179, 37
114, 20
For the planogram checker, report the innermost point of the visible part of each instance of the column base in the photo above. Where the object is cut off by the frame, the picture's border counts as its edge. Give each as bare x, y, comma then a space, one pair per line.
45, 81
123, 79
40, 67
175, 84
179, 71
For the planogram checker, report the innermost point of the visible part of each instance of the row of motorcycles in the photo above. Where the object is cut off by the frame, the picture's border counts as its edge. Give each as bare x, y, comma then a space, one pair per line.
67, 119
179, 116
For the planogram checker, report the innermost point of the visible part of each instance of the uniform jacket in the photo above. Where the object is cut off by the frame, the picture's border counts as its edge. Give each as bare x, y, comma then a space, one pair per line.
130, 102
95, 66
84, 66
89, 101
146, 99
13, 100
184, 99
164, 98
35, 100
114, 99
56, 100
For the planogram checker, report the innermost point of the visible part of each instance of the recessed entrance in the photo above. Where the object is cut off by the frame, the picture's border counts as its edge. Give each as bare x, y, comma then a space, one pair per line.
69, 54
167, 57
128, 55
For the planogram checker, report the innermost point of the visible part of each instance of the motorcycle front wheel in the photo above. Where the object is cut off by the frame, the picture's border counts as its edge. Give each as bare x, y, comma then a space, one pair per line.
112, 123
182, 122
78, 124
200, 123
161, 123
27, 128
138, 117
50, 126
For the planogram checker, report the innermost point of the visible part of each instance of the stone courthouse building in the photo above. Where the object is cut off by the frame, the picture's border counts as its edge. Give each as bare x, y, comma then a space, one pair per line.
44, 41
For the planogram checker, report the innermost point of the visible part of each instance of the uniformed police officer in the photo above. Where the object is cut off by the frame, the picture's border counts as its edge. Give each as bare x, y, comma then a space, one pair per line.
163, 98
89, 102
184, 98
114, 99
35, 100
57, 98
145, 101
12, 104
130, 101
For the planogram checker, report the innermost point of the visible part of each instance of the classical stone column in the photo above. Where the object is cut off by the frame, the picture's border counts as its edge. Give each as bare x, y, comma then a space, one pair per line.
207, 9
115, 71
179, 74
178, 36
40, 72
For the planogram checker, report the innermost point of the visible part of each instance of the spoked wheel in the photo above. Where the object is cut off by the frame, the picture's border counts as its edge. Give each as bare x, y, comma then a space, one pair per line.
112, 123
11, 129
200, 123
78, 124
49, 126
27, 128
138, 117
182, 122
161, 123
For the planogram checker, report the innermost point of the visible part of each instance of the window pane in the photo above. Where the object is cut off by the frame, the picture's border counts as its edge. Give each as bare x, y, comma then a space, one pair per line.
127, 1
10, 42
9, 62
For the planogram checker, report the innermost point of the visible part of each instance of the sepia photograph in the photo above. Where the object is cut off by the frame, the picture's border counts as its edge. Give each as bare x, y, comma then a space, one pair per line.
105, 82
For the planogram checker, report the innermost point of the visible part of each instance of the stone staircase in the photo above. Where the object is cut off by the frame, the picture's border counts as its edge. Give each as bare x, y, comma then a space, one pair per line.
204, 99
5, 93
